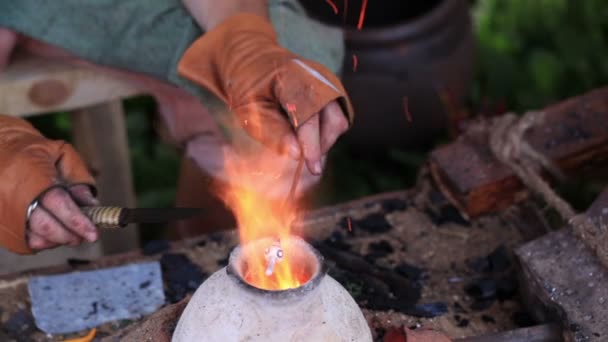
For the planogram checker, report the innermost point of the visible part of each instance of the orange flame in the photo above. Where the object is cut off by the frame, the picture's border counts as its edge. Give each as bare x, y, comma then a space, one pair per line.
333, 6
260, 217
362, 15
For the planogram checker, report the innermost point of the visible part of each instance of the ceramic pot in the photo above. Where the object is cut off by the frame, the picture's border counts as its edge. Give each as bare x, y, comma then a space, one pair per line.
226, 308
406, 52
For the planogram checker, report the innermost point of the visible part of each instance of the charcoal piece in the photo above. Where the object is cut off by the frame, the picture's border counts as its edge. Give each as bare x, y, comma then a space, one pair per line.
371, 258
346, 224
522, 319
156, 247
446, 214
428, 310
483, 304
459, 308
20, 324
336, 240
181, 276
437, 198
377, 250
393, 204
383, 247
506, 288
411, 272
482, 289
499, 259
450, 214
373, 223
405, 290
479, 265
463, 323
496, 262
75, 262
488, 319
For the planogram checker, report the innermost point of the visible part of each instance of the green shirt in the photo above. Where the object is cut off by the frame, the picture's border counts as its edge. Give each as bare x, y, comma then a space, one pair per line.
150, 36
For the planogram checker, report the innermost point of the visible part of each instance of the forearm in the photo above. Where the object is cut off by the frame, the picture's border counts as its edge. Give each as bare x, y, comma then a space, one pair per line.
210, 13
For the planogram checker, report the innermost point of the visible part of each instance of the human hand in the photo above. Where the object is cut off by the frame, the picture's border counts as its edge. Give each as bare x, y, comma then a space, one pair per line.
56, 219
292, 105
32, 168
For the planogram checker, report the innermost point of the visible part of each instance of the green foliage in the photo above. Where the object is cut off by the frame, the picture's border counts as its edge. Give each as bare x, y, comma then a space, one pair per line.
155, 165
531, 53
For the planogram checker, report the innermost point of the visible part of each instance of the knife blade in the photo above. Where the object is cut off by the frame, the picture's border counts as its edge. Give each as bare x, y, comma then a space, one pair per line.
106, 217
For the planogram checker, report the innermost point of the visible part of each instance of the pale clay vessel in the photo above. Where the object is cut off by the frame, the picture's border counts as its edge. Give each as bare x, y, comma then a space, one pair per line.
226, 309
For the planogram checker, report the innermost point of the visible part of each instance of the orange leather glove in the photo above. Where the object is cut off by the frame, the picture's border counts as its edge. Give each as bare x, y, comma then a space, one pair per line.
29, 165
241, 62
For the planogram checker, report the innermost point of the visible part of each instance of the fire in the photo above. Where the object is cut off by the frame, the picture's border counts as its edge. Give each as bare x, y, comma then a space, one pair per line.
259, 216
333, 6
362, 15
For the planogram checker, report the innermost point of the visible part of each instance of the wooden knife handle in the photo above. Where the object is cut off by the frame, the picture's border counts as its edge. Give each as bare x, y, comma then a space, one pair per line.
104, 217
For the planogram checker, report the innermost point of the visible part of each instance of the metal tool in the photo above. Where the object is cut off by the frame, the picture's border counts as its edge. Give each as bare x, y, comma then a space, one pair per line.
116, 217
294, 183
274, 253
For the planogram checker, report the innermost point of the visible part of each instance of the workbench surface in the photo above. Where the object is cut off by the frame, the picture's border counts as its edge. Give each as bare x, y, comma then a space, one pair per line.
413, 233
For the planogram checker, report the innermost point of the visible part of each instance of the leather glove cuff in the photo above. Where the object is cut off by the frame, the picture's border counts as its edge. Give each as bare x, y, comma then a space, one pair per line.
30, 164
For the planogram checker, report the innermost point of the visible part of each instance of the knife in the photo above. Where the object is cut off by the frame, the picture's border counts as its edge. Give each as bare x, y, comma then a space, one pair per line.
105, 217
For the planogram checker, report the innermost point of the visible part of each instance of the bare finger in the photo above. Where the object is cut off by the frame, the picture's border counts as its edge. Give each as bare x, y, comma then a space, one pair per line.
309, 139
46, 226
37, 242
82, 194
333, 125
61, 205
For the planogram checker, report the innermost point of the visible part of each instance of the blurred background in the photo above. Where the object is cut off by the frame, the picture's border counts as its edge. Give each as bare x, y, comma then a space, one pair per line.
415, 69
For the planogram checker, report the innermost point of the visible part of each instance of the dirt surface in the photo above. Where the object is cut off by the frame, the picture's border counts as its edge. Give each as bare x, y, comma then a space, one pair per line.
462, 273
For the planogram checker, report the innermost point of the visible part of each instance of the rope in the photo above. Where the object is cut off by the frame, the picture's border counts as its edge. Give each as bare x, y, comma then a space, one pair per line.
507, 142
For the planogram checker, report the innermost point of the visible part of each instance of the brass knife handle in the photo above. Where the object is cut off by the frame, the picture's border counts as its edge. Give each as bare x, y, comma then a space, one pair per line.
104, 217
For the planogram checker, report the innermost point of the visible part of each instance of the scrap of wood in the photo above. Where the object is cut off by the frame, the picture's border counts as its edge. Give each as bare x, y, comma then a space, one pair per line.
34, 85
574, 135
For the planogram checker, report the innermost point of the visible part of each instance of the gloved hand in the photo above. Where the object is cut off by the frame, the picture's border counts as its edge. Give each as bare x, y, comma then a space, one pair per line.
33, 168
271, 90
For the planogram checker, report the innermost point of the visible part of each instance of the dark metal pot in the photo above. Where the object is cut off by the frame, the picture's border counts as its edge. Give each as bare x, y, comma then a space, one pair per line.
408, 51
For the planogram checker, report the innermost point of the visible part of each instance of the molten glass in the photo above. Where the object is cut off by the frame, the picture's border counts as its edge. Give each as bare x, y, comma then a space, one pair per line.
261, 217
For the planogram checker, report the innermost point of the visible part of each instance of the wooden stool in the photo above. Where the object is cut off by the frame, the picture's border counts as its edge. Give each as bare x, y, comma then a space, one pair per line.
34, 86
